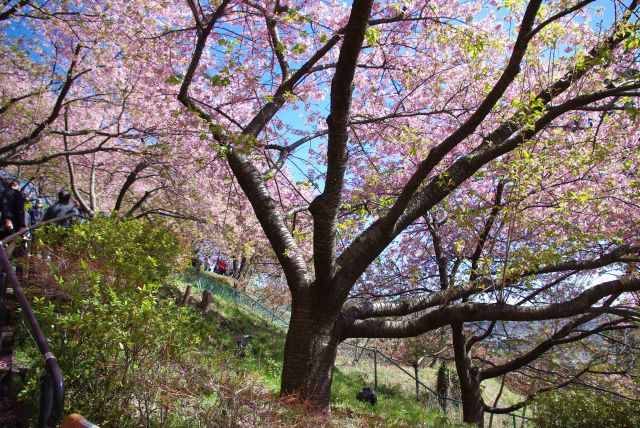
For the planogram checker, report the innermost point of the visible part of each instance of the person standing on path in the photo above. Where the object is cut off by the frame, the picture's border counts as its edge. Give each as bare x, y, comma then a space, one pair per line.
63, 207
36, 212
12, 206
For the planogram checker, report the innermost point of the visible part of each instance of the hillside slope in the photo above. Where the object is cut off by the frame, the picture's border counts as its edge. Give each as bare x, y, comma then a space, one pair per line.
263, 360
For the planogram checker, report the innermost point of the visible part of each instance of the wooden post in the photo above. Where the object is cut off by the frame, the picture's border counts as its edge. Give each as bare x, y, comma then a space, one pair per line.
187, 295
375, 368
206, 301
415, 369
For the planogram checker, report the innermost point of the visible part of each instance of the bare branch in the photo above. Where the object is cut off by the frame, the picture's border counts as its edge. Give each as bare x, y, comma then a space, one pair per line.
485, 312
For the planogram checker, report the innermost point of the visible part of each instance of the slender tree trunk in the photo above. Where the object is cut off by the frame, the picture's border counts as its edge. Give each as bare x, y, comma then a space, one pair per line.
472, 402
243, 266
234, 266
309, 354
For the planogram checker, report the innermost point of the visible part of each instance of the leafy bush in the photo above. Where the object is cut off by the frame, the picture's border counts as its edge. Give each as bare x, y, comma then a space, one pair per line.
129, 357
585, 409
136, 252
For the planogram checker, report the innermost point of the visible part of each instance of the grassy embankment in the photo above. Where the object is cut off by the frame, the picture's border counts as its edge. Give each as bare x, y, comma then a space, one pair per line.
132, 356
396, 388
263, 362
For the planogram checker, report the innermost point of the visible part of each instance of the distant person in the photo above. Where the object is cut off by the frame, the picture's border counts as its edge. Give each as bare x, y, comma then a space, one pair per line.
12, 206
83, 214
36, 212
63, 207
27, 223
221, 267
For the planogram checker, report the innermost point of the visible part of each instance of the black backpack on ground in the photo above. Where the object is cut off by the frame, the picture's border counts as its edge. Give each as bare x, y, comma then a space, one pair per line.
367, 394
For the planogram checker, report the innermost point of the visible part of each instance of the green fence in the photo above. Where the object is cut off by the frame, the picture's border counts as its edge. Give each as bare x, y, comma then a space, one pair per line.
206, 282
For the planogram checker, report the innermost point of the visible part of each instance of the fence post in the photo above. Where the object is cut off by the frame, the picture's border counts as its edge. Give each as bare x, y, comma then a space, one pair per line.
205, 303
515, 424
3, 288
186, 295
375, 368
415, 369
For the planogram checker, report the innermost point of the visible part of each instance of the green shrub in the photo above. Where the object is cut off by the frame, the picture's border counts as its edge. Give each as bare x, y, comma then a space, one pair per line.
134, 251
129, 357
121, 351
585, 409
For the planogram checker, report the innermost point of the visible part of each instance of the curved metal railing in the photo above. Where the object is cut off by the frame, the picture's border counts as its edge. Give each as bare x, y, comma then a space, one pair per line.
24, 230
52, 385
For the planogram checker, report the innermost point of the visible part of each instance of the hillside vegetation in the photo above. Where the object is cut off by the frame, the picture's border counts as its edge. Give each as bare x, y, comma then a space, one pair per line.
132, 356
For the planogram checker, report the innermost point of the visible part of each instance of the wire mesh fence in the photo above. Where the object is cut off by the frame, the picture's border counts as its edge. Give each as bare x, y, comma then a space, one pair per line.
370, 365
386, 374
206, 282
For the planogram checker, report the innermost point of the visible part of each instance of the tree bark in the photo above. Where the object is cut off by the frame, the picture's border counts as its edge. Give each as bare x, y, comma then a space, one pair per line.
472, 402
309, 354
243, 266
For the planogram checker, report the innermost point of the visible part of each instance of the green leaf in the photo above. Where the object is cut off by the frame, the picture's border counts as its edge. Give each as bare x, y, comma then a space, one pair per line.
372, 34
217, 80
299, 48
174, 80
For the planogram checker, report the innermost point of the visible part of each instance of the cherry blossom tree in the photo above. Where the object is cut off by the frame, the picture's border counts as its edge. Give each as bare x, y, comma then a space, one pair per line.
82, 109
465, 161
428, 105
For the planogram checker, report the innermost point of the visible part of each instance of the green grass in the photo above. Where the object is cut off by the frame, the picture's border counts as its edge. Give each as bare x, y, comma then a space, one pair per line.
394, 408
263, 362
392, 377
397, 405
223, 279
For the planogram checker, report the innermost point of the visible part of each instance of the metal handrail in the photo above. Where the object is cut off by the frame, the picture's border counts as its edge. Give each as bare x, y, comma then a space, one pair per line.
52, 386
24, 230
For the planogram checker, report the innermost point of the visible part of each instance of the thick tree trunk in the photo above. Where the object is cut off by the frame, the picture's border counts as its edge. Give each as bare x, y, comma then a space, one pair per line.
309, 355
472, 402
